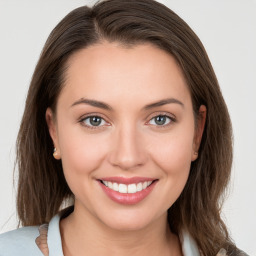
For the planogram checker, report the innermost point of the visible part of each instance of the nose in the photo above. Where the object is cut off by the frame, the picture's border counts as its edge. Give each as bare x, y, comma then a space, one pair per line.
128, 150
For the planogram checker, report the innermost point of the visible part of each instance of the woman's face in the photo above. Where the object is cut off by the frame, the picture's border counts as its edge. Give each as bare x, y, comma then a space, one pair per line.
124, 118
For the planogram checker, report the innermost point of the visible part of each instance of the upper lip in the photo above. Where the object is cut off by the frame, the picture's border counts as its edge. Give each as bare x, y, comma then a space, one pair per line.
125, 180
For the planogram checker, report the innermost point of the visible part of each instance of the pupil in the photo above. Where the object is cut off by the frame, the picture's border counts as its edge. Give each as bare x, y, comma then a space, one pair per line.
160, 120
95, 121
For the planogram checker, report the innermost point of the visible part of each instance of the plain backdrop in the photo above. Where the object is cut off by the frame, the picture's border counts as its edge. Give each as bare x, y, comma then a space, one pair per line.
228, 32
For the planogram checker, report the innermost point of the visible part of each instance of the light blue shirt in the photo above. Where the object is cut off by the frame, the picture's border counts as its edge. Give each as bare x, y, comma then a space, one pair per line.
21, 242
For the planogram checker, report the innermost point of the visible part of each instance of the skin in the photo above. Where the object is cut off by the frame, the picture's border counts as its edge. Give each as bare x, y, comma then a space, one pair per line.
128, 142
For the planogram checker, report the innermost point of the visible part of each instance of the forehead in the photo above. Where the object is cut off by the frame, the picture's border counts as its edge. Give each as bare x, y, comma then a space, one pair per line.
111, 71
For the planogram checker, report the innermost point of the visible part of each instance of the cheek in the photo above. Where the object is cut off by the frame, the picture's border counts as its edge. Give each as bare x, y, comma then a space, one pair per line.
170, 155
173, 152
173, 158
81, 153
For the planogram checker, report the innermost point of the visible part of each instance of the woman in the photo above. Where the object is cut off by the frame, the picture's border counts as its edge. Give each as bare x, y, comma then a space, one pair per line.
125, 98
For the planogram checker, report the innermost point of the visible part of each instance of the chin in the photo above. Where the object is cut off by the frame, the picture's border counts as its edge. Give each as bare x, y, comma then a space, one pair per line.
127, 225
130, 220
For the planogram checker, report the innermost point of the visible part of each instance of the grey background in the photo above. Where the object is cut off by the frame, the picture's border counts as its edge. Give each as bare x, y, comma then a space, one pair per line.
227, 28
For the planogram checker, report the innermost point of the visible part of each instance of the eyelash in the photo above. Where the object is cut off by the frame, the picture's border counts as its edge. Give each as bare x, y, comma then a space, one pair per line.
165, 115
82, 121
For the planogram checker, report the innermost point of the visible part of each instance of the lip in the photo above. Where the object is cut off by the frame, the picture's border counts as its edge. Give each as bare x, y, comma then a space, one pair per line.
127, 198
125, 180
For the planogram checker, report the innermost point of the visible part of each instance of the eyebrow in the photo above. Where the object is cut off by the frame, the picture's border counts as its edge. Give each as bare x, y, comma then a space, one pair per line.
163, 102
93, 103
105, 106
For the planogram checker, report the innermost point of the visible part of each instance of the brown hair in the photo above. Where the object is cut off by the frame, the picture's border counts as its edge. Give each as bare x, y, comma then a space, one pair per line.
42, 187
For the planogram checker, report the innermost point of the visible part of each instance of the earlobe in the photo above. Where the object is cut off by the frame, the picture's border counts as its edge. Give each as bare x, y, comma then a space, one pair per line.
52, 127
201, 119
56, 154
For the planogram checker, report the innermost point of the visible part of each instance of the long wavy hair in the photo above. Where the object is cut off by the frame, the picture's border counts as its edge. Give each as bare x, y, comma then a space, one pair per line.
42, 187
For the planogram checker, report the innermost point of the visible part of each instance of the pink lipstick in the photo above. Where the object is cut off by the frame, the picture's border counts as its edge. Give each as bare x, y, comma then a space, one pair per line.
127, 190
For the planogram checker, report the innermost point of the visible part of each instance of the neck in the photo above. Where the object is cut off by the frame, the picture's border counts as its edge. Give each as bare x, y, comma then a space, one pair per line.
83, 234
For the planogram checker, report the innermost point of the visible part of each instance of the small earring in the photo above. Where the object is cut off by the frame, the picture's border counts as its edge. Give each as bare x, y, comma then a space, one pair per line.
55, 154
196, 153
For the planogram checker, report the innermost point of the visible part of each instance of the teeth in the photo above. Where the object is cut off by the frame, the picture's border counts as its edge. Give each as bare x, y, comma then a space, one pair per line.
144, 185
132, 188
139, 186
115, 186
123, 188
110, 185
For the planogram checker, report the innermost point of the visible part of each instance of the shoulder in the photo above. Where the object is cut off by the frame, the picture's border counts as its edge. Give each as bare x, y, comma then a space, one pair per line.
237, 252
20, 242
34, 240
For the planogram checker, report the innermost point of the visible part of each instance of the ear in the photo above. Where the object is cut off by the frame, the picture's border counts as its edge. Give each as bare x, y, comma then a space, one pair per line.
52, 127
201, 118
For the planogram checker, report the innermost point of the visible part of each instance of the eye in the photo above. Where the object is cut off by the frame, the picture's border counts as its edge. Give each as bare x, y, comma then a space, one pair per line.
93, 121
161, 120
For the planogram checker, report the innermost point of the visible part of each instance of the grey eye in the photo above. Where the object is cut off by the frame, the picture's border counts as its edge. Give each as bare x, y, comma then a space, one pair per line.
94, 121
160, 120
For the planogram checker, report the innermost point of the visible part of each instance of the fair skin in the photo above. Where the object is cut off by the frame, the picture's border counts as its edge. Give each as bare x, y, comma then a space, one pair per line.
128, 141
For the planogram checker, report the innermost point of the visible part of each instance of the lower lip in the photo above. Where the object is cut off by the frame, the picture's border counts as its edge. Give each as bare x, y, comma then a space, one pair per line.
127, 198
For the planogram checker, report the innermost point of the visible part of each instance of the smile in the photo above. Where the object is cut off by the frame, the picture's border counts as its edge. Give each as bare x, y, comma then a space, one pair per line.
127, 190
130, 188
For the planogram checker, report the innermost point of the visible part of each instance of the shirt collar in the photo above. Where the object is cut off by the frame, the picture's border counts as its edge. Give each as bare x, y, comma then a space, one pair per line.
189, 247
